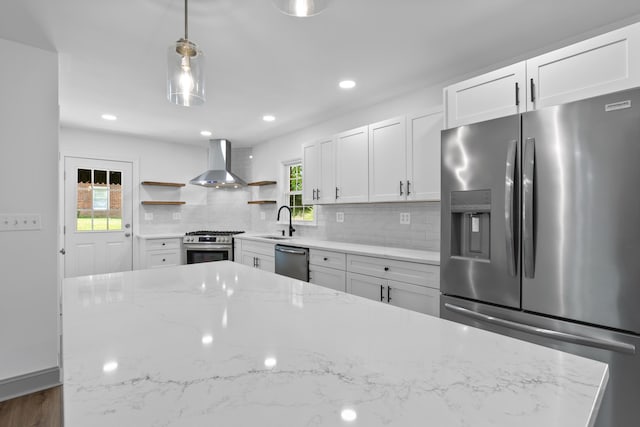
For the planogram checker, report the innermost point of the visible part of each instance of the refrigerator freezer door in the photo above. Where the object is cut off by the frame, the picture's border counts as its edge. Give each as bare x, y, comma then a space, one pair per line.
585, 243
619, 406
479, 212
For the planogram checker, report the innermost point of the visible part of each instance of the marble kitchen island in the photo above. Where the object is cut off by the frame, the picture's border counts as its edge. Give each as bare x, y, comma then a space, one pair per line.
222, 344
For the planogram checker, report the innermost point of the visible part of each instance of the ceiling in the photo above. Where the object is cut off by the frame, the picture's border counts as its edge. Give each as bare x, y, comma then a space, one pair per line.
259, 61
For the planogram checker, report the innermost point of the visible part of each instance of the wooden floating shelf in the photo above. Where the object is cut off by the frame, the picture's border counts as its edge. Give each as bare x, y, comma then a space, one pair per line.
262, 202
163, 184
259, 183
154, 202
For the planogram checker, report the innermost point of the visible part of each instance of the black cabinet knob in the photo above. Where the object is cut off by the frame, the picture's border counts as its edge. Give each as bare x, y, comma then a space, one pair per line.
386, 269
325, 259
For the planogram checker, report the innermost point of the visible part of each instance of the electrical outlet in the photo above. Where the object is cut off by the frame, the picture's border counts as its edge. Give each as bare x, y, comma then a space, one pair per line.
263, 216
148, 216
405, 218
177, 216
339, 216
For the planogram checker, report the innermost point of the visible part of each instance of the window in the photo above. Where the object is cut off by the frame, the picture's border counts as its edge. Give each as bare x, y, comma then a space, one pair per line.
293, 193
99, 200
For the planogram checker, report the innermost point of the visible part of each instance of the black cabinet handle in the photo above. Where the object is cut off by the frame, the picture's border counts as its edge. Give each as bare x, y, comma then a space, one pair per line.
336, 193
401, 192
163, 244
317, 194
533, 91
388, 293
325, 259
381, 293
313, 197
517, 94
408, 188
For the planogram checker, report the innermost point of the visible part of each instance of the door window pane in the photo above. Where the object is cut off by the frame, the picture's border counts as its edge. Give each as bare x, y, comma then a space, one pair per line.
99, 200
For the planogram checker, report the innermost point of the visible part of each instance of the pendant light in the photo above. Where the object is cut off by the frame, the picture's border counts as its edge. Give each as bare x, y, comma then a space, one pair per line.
185, 72
301, 8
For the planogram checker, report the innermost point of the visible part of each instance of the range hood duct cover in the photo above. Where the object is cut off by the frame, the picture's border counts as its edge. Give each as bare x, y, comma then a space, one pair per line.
219, 174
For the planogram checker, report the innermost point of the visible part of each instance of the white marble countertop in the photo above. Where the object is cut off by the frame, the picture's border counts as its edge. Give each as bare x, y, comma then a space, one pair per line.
413, 255
222, 344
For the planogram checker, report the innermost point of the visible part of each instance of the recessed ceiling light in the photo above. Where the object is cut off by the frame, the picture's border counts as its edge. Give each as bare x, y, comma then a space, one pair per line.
268, 118
347, 84
109, 117
205, 132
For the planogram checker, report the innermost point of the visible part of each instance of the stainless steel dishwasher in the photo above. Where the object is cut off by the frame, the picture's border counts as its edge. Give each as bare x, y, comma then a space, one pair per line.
292, 261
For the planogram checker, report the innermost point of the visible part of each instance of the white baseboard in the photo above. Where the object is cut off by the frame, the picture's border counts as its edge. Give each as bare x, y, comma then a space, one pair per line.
29, 383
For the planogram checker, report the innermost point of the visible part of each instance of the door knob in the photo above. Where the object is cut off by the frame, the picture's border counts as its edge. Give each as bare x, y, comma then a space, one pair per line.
127, 234
62, 251
127, 225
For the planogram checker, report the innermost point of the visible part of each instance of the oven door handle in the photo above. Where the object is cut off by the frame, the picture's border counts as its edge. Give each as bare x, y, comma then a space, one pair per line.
611, 345
206, 247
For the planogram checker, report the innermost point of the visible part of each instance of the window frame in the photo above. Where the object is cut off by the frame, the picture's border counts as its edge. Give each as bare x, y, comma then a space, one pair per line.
286, 193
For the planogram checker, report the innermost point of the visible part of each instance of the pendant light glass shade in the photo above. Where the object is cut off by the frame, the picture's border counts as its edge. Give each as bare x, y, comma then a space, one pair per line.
185, 72
301, 8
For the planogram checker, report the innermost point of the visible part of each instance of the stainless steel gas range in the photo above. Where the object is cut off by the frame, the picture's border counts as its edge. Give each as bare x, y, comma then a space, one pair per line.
207, 246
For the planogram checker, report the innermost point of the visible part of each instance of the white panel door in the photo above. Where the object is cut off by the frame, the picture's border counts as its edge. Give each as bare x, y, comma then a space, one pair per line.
496, 94
311, 172
352, 166
325, 193
328, 277
366, 286
413, 297
423, 156
97, 216
600, 65
387, 160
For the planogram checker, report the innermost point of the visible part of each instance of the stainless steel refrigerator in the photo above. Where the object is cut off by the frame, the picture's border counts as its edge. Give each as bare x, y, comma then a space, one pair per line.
541, 234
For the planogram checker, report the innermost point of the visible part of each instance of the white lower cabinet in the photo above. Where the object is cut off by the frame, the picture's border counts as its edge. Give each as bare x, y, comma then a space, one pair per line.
409, 285
157, 253
327, 268
256, 254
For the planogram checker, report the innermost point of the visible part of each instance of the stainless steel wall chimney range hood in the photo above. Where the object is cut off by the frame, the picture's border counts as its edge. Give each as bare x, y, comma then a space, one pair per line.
219, 174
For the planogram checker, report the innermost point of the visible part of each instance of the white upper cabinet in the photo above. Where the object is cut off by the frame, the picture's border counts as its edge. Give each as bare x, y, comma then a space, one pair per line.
600, 65
387, 161
310, 172
498, 93
318, 167
352, 166
423, 156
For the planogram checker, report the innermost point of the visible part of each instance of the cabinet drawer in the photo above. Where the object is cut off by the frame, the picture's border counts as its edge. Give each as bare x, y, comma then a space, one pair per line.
155, 244
163, 259
328, 277
258, 247
403, 271
327, 259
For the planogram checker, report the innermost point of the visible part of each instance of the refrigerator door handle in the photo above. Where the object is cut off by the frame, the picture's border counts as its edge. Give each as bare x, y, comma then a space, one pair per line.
509, 188
618, 346
528, 208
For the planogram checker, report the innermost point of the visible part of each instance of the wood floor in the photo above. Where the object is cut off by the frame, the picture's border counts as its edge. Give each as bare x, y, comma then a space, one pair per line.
41, 409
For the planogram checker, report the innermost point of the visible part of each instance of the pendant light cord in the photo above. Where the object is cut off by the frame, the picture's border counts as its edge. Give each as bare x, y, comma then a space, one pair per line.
186, 22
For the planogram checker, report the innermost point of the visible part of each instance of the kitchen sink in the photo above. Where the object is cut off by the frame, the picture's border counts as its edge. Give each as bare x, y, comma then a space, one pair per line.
274, 237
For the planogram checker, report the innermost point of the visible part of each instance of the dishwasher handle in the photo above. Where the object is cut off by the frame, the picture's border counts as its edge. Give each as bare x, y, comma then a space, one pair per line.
291, 251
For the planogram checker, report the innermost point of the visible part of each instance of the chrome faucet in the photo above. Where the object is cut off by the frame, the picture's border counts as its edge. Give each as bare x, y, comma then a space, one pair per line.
291, 229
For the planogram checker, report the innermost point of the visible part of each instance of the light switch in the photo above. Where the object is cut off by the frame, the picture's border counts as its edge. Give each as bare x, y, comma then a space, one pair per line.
19, 222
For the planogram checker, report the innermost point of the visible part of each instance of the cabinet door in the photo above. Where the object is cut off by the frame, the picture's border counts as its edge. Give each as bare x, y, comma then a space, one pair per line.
412, 297
157, 259
366, 286
496, 94
328, 277
325, 192
311, 172
266, 263
387, 160
600, 65
352, 166
423, 156
247, 258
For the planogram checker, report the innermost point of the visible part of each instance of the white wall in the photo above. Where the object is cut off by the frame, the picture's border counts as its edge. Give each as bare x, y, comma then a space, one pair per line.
28, 185
364, 223
205, 208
